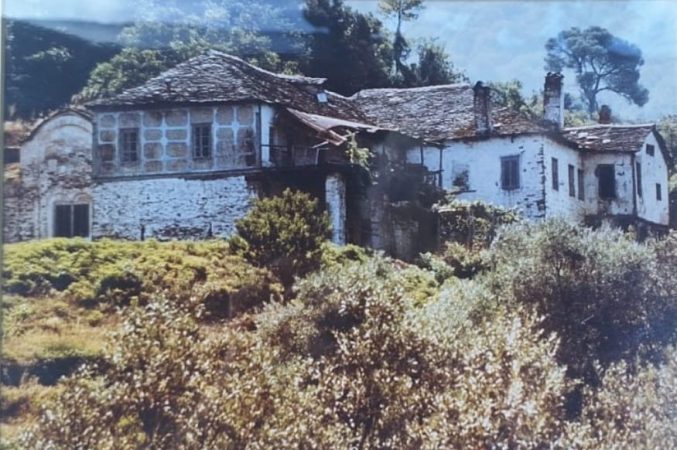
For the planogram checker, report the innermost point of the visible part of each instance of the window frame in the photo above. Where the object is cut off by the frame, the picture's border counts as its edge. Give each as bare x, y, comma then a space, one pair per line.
572, 181
650, 149
198, 148
72, 223
127, 156
510, 179
555, 173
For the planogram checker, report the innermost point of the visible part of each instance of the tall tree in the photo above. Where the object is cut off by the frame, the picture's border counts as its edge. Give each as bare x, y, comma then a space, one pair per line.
401, 10
434, 66
601, 62
347, 47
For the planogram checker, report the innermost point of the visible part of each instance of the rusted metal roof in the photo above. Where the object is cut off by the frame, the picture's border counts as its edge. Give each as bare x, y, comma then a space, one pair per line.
216, 77
437, 113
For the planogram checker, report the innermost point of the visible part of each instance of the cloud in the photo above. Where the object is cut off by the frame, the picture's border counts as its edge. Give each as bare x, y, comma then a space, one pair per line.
504, 40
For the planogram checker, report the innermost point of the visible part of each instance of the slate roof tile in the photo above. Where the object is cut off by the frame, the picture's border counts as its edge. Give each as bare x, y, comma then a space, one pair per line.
216, 77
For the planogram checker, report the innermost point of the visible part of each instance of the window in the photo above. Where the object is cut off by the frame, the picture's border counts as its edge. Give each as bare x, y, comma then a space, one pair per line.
581, 189
572, 181
607, 181
202, 141
129, 144
659, 193
555, 174
639, 179
71, 220
650, 149
510, 176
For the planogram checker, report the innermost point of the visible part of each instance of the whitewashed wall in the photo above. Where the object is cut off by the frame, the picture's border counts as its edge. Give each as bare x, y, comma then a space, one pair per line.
654, 171
558, 202
482, 160
170, 207
623, 203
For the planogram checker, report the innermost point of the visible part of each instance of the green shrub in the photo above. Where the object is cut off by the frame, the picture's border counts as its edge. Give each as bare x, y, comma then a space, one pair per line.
632, 409
284, 234
113, 273
472, 224
598, 290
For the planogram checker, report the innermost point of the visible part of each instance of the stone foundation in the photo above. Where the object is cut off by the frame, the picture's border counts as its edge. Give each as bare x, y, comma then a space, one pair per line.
169, 208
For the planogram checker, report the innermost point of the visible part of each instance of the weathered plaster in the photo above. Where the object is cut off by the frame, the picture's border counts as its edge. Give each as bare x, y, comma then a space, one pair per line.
335, 192
55, 168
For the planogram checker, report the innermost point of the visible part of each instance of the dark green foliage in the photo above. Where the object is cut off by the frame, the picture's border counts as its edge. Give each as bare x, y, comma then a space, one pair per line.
455, 260
600, 291
601, 62
473, 224
284, 234
44, 67
170, 32
129, 68
348, 48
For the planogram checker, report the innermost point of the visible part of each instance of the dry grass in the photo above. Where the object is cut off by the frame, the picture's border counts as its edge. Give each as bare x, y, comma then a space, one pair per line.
44, 328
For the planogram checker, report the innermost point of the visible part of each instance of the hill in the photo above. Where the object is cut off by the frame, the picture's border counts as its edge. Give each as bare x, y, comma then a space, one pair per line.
46, 67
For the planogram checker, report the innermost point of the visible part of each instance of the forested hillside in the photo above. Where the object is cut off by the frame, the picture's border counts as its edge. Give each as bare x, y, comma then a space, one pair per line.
45, 67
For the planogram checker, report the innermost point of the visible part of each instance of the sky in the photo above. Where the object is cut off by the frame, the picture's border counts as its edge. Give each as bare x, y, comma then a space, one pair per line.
497, 40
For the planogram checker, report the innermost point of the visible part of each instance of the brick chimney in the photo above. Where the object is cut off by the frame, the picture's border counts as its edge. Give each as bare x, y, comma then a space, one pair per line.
604, 115
553, 100
482, 108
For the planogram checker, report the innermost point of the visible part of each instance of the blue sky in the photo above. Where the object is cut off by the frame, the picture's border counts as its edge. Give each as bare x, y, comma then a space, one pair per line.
494, 40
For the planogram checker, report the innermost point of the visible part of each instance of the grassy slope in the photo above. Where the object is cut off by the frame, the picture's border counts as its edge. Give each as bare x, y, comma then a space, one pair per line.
62, 297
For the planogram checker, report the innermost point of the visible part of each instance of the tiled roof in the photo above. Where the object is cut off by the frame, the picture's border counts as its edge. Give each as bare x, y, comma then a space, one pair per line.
607, 137
436, 113
215, 77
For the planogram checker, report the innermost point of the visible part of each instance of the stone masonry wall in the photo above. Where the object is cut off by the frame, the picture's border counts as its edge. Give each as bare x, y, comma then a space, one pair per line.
170, 207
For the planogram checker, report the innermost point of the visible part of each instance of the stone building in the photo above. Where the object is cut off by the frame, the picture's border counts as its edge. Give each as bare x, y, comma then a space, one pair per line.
603, 172
48, 193
183, 155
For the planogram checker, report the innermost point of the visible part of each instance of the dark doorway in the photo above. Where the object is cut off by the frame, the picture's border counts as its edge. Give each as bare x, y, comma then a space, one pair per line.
607, 181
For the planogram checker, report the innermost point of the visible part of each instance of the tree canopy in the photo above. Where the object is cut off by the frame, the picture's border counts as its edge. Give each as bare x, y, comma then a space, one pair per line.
169, 32
601, 62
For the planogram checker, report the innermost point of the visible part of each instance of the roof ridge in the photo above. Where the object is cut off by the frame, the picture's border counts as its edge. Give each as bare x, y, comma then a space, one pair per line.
293, 78
610, 125
411, 89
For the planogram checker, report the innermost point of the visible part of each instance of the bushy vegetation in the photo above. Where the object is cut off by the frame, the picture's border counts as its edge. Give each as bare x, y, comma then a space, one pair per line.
600, 291
107, 274
369, 352
284, 234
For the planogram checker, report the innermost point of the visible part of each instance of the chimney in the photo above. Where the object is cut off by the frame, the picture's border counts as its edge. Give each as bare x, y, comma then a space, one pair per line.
604, 114
482, 108
553, 100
